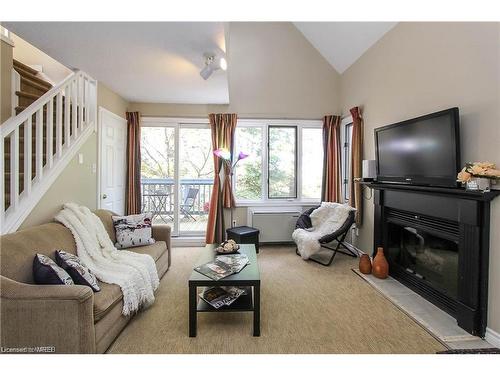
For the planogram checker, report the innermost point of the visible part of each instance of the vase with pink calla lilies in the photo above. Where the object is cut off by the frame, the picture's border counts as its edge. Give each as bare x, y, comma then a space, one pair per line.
225, 155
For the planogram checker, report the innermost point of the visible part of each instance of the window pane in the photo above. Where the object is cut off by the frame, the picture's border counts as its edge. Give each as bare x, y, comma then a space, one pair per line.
196, 176
157, 172
248, 173
312, 162
282, 162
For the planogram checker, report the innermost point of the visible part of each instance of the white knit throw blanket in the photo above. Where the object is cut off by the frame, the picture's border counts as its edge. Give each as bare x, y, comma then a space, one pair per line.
326, 219
135, 273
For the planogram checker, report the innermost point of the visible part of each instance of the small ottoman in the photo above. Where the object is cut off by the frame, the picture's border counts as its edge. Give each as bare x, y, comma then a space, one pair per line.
245, 235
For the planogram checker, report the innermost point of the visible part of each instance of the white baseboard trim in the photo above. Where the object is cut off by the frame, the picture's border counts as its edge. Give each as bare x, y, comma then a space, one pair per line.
188, 241
492, 337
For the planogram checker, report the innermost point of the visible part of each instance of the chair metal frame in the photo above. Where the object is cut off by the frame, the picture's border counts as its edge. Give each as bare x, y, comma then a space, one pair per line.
185, 208
304, 222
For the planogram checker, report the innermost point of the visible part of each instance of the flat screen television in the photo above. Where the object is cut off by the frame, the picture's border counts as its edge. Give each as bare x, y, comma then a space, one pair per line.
421, 151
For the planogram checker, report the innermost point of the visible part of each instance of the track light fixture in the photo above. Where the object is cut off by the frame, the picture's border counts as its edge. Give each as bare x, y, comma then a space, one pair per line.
212, 63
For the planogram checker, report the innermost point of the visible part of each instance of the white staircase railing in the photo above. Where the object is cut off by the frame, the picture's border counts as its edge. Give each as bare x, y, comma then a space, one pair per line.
37, 144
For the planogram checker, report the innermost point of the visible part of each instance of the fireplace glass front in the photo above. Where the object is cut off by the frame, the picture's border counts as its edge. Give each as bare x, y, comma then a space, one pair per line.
431, 258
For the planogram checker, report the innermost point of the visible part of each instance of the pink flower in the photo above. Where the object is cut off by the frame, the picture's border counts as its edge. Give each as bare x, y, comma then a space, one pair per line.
242, 155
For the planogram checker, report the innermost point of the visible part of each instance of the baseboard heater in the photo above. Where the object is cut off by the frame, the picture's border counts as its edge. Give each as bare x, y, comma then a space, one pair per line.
274, 226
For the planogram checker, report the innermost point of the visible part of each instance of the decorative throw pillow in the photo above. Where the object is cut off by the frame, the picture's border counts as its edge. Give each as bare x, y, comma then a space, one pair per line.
78, 271
133, 230
46, 271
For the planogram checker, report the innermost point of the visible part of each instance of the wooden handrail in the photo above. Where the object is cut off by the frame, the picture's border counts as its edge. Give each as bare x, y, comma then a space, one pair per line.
9, 125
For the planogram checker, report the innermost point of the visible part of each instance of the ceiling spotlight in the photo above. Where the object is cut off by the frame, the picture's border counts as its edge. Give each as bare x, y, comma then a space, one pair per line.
212, 63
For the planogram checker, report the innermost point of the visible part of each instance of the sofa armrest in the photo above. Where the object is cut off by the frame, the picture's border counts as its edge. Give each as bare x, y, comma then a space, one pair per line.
46, 318
161, 232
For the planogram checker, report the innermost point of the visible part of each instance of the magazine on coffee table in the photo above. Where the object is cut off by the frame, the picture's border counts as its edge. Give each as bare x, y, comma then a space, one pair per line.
221, 296
223, 266
215, 270
235, 261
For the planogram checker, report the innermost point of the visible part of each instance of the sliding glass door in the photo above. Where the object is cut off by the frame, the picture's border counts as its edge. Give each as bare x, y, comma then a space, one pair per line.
177, 173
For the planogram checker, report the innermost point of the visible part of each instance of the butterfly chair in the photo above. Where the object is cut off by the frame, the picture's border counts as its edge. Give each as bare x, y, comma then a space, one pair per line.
339, 235
187, 207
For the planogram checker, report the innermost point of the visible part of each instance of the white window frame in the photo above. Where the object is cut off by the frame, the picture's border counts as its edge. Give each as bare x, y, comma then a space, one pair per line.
176, 123
345, 144
264, 124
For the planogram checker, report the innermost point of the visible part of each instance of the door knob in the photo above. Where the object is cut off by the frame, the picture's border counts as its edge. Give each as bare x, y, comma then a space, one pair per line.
104, 196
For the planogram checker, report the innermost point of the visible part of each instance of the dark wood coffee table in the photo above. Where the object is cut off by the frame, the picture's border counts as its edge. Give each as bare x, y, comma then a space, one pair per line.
248, 277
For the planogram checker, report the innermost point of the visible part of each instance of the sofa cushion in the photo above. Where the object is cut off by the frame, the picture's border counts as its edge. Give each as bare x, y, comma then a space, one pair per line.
19, 248
78, 271
106, 299
155, 250
47, 272
107, 221
133, 230
111, 294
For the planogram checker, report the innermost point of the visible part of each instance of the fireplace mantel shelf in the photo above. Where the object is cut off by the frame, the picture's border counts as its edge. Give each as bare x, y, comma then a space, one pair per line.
459, 192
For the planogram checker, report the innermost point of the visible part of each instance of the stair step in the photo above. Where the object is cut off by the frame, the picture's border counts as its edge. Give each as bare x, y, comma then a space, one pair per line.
33, 77
35, 84
27, 95
20, 65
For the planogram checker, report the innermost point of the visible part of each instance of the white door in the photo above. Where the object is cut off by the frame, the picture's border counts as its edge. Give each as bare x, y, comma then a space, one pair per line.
112, 165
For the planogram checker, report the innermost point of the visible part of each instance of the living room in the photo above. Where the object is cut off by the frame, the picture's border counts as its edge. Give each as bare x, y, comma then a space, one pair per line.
330, 186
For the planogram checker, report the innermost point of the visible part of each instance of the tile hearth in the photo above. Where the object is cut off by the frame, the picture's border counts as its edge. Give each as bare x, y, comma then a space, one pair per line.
433, 319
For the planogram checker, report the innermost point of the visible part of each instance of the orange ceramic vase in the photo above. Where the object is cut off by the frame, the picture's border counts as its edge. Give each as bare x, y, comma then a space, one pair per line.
380, 266
365, 264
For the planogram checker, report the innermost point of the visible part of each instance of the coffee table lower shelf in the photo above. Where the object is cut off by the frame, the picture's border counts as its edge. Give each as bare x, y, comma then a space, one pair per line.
243, 303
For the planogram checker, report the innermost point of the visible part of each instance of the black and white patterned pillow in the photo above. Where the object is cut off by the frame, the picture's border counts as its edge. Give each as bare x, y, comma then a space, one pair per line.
46, 271
133, 230
78, 271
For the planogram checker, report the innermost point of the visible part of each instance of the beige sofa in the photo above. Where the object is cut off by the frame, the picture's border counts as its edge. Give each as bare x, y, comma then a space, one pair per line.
71, 319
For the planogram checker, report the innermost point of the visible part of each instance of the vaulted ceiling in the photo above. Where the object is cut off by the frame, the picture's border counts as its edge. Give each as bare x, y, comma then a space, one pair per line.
159, 62
342, 43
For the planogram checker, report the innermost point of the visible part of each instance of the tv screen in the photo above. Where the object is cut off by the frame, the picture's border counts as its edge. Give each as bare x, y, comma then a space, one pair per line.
420, 151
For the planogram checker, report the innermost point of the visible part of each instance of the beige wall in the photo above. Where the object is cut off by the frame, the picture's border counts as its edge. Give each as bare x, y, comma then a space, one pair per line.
418, 68
78, 182
5, 80
30, 55
273, 72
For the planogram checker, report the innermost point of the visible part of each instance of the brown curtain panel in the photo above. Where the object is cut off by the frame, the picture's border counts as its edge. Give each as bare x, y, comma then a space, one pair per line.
330, 189
222, 126
355, 197
133, 188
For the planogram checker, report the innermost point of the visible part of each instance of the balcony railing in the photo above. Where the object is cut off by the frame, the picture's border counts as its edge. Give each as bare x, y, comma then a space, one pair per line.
158, 195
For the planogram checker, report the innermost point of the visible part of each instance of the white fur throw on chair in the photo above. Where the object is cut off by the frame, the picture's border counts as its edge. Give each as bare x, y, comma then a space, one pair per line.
326, 219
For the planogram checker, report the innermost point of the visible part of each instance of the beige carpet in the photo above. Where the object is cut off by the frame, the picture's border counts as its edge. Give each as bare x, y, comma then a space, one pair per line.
305, 308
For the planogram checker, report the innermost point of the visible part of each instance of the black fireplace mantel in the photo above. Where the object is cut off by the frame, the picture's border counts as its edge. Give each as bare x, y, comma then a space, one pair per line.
471, 212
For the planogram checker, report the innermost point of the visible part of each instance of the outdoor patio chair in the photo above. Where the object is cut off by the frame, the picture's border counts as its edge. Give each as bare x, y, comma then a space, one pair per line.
187, 207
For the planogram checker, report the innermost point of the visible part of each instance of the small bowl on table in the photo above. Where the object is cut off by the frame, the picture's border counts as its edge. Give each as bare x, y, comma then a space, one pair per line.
227, 247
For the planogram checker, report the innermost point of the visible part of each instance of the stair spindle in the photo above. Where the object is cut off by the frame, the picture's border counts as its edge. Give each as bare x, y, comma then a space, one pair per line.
80, 102
74, 107
14, 169
67, 118
59, 118
86, 99
28, 126
39, 144
50, 136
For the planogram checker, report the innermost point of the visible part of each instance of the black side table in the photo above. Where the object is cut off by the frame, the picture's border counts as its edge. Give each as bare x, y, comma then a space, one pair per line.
244, 235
